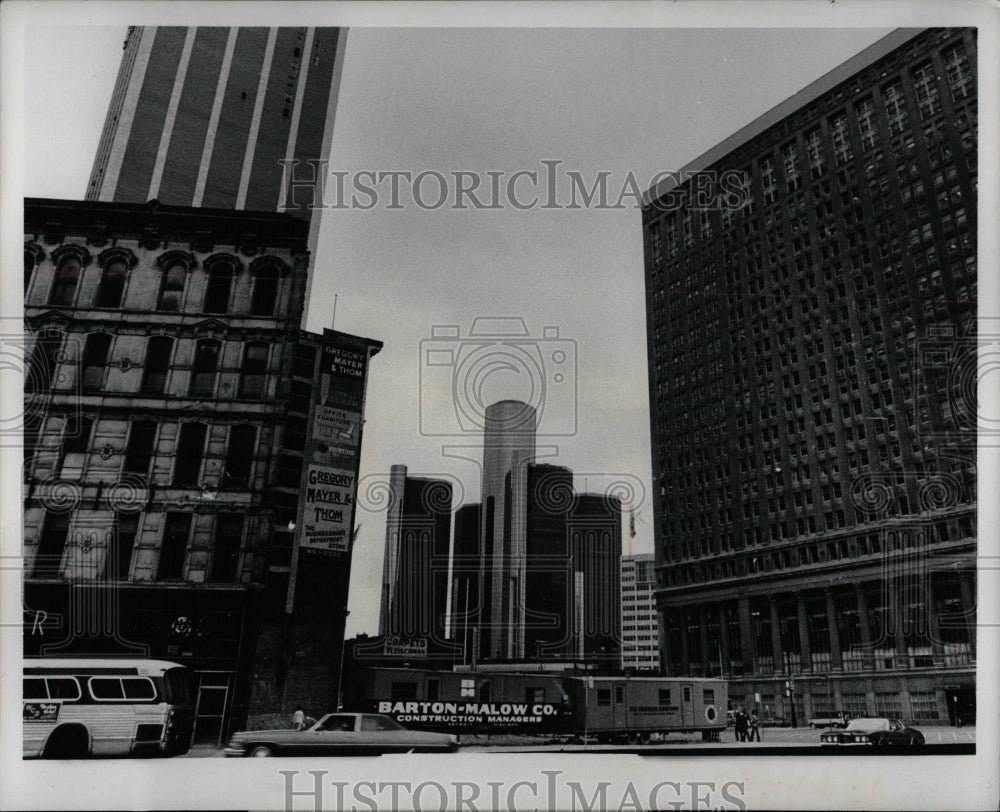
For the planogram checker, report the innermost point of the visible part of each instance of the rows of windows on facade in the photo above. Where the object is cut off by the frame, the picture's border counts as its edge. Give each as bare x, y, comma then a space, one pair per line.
813, 371
818, 413
156, 373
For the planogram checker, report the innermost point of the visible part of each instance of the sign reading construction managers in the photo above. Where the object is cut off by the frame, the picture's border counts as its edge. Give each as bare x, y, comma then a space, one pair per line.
330, 485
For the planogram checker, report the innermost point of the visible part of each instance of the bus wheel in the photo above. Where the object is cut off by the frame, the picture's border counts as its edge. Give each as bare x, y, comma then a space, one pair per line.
643, 738
261, 751
68, 741
633, 738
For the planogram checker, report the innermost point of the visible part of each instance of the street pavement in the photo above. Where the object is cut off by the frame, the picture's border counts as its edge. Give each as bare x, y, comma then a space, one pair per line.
771, 737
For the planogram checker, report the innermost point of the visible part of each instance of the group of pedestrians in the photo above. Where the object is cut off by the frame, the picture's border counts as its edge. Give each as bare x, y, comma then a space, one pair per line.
747, 727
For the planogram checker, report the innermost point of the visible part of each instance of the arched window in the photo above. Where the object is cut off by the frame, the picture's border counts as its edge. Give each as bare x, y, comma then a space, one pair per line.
190, 448
112, 285
32, 256
205, 368
157, 365
64, 285
265, 289
221, 272
253, 374
239, 456
139, 450
172, 287
95, 361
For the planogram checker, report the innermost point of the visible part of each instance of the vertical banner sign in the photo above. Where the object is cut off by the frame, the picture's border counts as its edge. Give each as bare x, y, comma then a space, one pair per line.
331, 470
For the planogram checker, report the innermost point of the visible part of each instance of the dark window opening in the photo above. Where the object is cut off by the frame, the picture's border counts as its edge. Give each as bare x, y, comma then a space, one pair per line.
154, 375
139, 450
220, 283
205, 368
174, 546
239, 456
95, 360
51, 544
190, 447
172, 288
253, 376
112, 285
265, 291
228, 537
64, 287
118, 561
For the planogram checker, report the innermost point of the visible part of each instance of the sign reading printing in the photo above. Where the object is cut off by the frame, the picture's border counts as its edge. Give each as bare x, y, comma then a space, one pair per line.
327, 514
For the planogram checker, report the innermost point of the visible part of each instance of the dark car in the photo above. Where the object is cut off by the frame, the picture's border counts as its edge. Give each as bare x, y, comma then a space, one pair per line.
877, 732
341, 734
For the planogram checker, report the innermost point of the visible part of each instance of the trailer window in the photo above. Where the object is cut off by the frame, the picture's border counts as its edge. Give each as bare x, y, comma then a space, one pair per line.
534, 694
687, 693
709, 696
484, 691
619, 694
664, 697
603, 697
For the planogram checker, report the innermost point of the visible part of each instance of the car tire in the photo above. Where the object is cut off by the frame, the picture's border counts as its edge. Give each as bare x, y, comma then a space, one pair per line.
261, 751
812, 725
914, 741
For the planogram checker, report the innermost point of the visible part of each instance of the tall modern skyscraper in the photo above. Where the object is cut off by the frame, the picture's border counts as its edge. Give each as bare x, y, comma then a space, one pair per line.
212, 116
415, 568
812, 370
205, 116
508, 447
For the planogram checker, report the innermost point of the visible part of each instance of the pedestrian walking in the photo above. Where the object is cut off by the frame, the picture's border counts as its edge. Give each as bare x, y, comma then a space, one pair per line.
754, 725
741, 725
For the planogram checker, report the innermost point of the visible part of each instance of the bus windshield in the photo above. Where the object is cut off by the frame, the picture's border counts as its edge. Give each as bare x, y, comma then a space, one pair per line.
178, 683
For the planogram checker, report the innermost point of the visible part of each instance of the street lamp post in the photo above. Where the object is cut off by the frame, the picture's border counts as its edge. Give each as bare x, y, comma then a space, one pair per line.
790, 682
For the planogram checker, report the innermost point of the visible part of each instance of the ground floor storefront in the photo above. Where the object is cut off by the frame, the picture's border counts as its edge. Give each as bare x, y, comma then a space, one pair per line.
925, 697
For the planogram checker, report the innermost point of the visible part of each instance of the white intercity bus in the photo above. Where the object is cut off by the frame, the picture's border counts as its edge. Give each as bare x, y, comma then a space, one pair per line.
75, 708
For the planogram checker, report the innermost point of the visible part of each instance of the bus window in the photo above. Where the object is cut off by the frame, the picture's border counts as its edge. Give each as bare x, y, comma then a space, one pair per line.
35, 689
139, 689
63, 688
178, 682
106, 688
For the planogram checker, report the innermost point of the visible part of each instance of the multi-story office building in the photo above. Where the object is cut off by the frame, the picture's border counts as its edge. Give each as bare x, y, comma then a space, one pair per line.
594, 528
640, 625
508, 448
229, 118
812, 359
465, 577
206, 116
166, 375
415, 567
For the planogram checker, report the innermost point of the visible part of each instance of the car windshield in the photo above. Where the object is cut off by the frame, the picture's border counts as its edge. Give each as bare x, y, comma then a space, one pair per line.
868, 724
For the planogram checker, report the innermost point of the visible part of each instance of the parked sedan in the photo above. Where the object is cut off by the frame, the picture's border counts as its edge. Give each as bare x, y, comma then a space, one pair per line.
875, 732
340, 734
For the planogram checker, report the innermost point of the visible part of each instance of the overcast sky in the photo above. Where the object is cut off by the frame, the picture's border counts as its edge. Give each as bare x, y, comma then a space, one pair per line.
480, 101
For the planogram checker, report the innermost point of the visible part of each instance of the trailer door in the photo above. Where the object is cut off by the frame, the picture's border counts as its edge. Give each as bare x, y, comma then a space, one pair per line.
687, 705
619, 710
